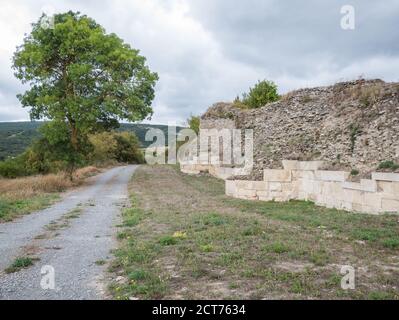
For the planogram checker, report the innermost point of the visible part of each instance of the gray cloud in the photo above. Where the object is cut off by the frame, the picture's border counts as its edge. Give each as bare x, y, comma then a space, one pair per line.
206, 50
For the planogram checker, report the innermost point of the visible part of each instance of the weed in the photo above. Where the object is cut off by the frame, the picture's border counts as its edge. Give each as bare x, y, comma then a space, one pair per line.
167, 240
277, 247
100, 262
388, 165
20, 263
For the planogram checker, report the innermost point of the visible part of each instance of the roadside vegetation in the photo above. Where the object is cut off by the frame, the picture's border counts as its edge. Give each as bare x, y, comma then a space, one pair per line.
16, 137
23, 195
80, 93
20, 263
191, 241
33, 180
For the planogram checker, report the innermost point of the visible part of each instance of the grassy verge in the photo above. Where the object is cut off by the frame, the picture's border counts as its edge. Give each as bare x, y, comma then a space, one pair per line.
24, 195
12, 208
183, 238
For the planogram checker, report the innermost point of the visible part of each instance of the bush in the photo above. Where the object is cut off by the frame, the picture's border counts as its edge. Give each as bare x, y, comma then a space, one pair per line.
128, 148
45, 157
262, 93
104, 147
15, 167
117, 146
388, 165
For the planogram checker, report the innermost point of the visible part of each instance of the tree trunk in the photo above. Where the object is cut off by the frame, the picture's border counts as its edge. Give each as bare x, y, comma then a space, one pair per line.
75, 146
74, 138
70, 171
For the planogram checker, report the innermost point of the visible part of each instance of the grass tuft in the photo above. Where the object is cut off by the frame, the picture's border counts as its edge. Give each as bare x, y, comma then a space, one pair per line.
20, 263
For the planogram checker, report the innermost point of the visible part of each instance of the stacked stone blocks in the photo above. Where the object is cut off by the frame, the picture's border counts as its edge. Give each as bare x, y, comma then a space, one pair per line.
302, 180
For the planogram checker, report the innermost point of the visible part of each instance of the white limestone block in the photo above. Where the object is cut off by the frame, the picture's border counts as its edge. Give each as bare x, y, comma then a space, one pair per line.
385, 176
277, 175
326, 175
390, 205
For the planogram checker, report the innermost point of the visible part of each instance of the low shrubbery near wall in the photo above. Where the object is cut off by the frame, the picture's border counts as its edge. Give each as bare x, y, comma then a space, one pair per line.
262, 93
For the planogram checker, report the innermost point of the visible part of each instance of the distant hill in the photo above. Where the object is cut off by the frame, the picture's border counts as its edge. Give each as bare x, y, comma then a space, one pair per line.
15, 137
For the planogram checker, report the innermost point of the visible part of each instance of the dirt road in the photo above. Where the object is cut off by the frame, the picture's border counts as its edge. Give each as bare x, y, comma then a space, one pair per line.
73, 238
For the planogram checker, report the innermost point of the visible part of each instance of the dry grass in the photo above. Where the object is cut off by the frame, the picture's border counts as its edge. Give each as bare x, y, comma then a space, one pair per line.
23, 195
367, 95
35, 185
86, 172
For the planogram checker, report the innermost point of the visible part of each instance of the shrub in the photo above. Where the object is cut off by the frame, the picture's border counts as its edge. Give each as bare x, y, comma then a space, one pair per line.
128, 148
239, 104
354, 132
15, 167
44, 156
262, 93
117, 146
104, 146
388, 165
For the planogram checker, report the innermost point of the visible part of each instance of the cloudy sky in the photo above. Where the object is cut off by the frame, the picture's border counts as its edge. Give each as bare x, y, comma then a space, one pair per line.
211, 50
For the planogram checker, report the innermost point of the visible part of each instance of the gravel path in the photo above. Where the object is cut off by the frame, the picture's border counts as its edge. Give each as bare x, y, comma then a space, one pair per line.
73, 237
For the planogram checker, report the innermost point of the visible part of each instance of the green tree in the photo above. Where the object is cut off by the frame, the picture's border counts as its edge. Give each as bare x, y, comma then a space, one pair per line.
261, 94
128, 148
104, 146
117, 146
81, 79
194, 123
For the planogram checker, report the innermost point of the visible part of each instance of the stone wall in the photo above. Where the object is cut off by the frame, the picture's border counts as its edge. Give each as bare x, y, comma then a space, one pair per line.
200, 159
302, 180
214, 170
350, 125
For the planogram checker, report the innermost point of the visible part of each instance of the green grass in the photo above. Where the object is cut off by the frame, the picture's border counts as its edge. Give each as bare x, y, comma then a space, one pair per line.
381, 295
10, 209
131, 216
167, 240
207, 248
20, 263
382, 231
212, 219
234, 248
73, 214
138, 275
277, 247
135, 258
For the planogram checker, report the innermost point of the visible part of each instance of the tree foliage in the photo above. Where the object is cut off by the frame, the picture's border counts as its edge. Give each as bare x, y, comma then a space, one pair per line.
262, 93
194, 123
102, 148
81, 79
115, 146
